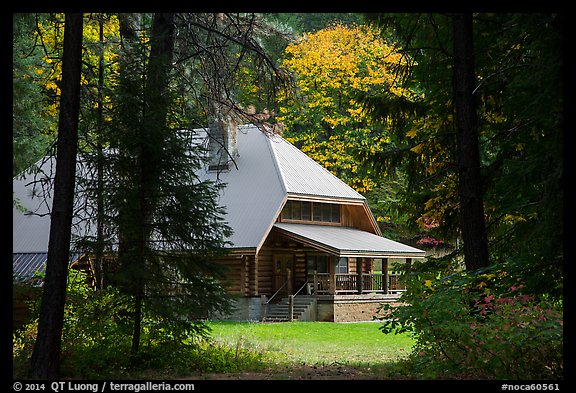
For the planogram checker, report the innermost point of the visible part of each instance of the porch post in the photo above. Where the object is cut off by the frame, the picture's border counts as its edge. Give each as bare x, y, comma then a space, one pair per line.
359, 270
408, 265
290, 307
315, 282
385, 275
263, 307
332, 277
409, 262
289, 278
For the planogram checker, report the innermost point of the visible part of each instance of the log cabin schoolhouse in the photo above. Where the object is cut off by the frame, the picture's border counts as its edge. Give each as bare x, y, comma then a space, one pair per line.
304, 246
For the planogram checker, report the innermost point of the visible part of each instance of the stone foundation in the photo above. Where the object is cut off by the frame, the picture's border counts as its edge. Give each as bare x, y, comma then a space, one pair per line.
329, 308
245, 309
353, 308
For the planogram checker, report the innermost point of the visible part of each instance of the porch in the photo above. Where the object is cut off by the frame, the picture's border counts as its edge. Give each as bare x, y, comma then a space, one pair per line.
347, 284
338, 275
332, 260
331, 298
325, 308
323, 273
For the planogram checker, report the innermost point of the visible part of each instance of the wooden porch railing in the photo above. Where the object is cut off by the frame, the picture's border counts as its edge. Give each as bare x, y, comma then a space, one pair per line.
348, 283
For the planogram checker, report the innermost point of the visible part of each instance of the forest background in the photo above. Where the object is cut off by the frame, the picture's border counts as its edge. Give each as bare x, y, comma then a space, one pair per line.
371, 98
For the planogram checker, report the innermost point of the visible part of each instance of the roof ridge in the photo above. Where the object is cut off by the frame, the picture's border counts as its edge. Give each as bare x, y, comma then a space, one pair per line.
275, 160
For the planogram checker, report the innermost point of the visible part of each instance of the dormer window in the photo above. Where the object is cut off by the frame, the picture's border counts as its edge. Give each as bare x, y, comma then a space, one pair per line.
317, 212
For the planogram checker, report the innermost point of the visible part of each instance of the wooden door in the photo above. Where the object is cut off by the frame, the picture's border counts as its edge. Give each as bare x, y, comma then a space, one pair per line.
284, 273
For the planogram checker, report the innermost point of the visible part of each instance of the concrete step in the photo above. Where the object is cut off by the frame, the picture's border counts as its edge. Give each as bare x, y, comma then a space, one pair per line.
278, 312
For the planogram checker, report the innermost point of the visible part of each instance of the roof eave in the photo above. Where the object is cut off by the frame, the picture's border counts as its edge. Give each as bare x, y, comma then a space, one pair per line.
324, 198
350, 253
380, 254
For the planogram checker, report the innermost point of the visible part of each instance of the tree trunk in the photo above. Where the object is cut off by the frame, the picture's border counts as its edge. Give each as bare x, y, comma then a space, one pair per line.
470, 181
45, 362
99, 252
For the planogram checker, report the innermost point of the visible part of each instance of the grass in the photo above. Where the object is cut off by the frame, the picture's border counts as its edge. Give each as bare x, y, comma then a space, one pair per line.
291, 350
316, 343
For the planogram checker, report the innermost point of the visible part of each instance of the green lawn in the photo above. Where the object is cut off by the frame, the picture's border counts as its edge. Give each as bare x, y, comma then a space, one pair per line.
316, 342
291, 350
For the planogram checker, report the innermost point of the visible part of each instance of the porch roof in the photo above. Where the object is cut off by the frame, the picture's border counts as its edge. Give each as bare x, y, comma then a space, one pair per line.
348, 242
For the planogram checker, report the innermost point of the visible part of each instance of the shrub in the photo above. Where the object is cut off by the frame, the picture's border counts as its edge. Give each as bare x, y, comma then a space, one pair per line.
470, 325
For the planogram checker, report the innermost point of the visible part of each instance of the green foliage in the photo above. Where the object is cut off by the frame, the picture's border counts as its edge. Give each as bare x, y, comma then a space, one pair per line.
478, 325
312, 22
158, 215
518, 69
96, 340
31, 121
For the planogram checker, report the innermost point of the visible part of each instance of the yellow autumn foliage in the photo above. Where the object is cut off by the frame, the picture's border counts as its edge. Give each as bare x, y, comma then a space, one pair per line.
331, 66
52, 36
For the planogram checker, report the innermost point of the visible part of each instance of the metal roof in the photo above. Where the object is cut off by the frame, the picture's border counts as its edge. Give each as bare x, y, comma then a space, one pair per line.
254, 194
303, 176
30, 231
268, 171
25, 265
345, 241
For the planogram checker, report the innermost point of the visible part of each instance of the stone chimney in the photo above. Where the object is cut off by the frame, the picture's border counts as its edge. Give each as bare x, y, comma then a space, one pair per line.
222, 143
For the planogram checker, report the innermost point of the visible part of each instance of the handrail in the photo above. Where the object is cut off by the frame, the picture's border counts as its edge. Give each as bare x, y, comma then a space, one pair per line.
298, 291
276, 293
347, 282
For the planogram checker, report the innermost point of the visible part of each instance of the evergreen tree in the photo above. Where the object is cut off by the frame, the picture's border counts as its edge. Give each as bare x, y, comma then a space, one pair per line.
470, 193
518, 92
30, 120
167, 218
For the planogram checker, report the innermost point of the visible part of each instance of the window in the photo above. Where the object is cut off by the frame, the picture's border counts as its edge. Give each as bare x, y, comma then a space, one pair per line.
335, 213
326, 212
342, 265
297, 211
306, 211
318, 263
311, 211
317, 212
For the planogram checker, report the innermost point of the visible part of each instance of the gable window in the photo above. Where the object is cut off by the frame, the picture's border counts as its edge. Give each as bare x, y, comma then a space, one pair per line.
311, 212
306, 211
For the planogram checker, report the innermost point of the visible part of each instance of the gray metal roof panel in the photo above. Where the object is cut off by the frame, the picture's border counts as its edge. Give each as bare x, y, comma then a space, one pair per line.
347, 241
30, 231
25, 265
304, 176
253, 195
267, 170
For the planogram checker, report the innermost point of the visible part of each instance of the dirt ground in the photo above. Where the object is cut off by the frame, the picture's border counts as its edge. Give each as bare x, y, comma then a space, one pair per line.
331, 372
